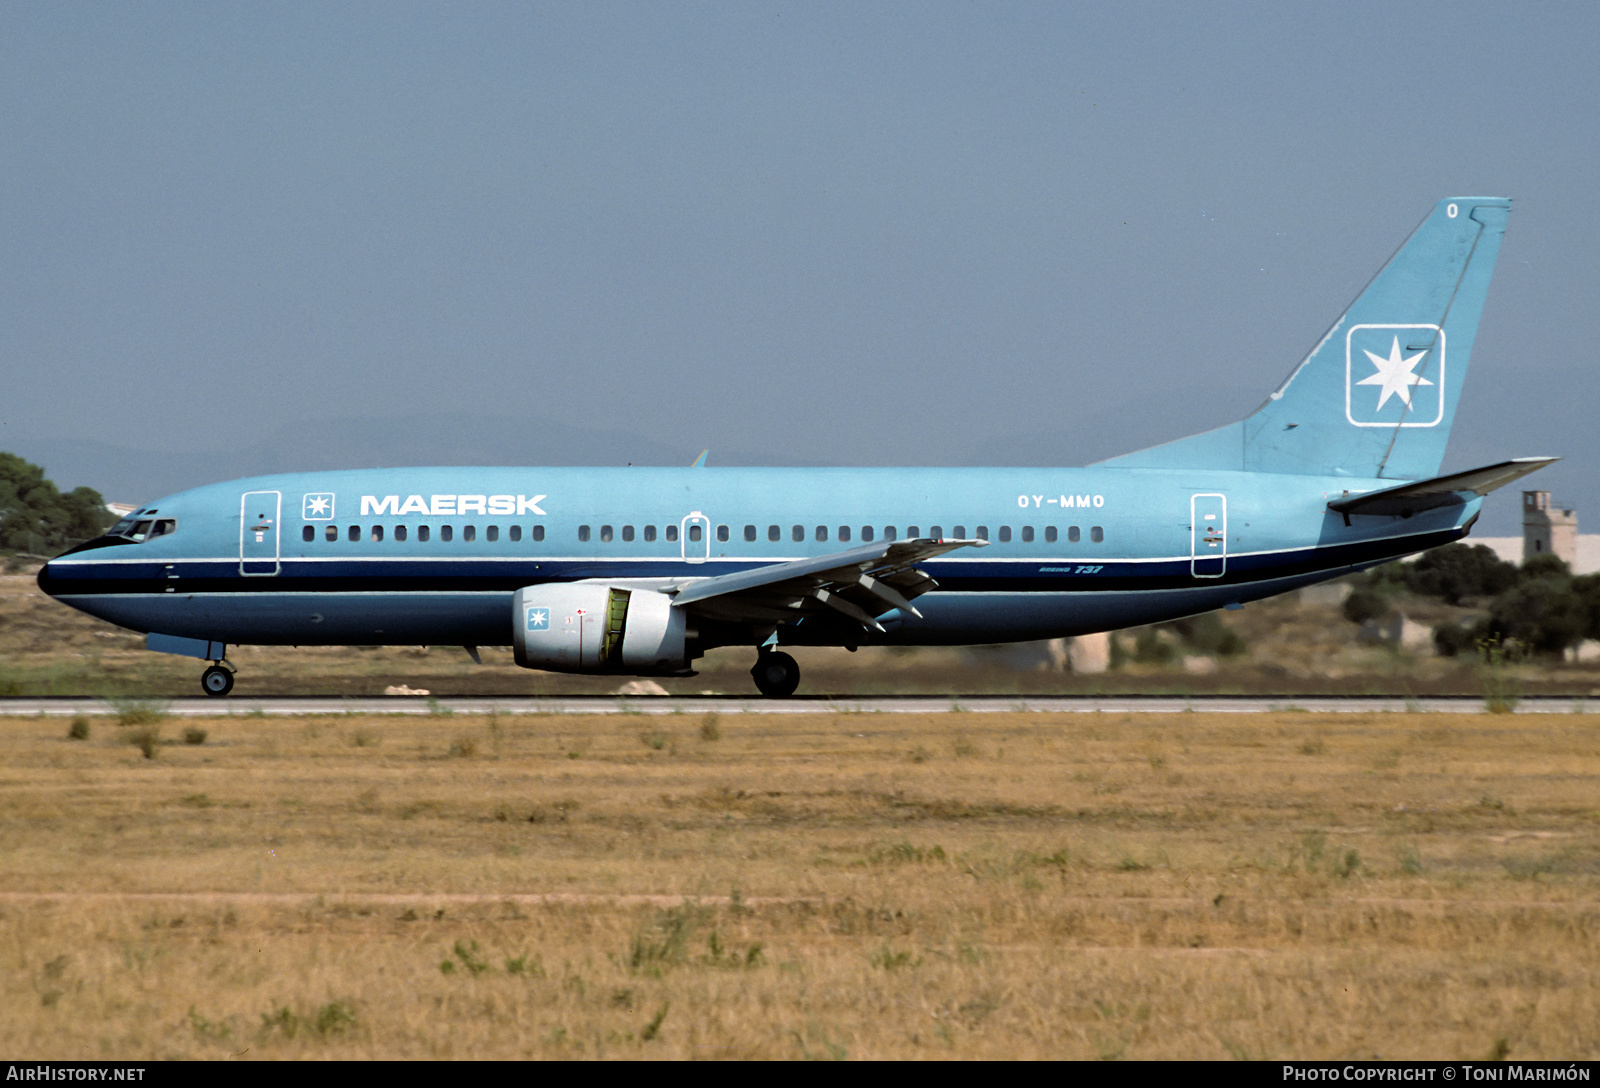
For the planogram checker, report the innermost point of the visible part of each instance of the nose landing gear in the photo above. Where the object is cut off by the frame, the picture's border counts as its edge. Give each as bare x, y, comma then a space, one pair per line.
775, 673
217, 680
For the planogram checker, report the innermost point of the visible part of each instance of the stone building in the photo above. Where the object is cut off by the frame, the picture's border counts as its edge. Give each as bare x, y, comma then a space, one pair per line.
1548, 529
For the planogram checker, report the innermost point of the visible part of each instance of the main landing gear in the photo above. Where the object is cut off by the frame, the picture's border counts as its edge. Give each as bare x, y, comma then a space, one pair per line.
217, 680
775, 673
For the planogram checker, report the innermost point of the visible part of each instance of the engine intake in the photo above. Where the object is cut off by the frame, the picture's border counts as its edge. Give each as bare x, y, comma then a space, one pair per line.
578, 627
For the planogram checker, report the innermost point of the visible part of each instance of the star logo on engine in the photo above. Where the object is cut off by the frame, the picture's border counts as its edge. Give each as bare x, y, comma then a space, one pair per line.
538, 619
1394, 375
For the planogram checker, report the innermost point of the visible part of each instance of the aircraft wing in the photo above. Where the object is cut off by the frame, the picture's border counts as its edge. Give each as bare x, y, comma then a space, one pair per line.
1408, 499
861, 583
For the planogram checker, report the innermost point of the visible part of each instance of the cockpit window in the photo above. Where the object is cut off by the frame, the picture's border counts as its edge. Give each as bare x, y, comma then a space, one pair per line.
140, 529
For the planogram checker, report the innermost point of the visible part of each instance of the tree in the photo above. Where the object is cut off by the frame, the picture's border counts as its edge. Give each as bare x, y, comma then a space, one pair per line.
1546, 565
1543, 614
1461, 636
1586, 590
1365, 604
1207, 634
1456, 571
36, 517
1546, 611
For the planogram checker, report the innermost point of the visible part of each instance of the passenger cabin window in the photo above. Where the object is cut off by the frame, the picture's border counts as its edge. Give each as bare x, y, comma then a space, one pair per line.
399, 532
983, 532
844, 534
750, 533
446, 533
722, 533
936, 532
355, 533
695, 533
469, 533
492, 533
822, 532
377, 534
911, 532
672, 534
797, 534
1073, 535
627, 534
1005, 534
866, 533
1096, 534
583, 533
515, 533
308, 534
538, 533
1027, 534
605, 534
888, 532
774, 533
960, 533
1049, 534
649, 533
423, 532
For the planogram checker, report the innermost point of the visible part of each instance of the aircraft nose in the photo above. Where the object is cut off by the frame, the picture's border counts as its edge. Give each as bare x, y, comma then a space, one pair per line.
43, 578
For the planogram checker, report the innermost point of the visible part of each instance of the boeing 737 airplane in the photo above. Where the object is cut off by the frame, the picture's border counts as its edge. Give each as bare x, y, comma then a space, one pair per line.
642, 570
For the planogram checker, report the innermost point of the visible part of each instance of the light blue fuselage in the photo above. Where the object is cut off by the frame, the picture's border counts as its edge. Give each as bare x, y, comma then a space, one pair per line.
1070, 550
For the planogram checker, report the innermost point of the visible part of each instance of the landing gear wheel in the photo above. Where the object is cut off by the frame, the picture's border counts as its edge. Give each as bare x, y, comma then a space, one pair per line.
776, 674
216, 681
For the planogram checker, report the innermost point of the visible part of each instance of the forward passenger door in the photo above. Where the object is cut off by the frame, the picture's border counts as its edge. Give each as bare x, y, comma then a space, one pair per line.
259, 533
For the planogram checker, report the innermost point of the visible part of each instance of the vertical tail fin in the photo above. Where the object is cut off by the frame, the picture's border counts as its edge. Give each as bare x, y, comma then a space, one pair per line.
1377, 395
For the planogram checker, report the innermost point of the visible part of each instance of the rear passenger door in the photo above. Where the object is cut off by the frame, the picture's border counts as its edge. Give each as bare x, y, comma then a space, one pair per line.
1208, 535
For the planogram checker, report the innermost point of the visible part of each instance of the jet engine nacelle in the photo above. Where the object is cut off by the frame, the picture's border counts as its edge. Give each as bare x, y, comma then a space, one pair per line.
574, 627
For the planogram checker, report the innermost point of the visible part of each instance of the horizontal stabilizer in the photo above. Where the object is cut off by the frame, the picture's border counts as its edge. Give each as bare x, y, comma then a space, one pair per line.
1459, 487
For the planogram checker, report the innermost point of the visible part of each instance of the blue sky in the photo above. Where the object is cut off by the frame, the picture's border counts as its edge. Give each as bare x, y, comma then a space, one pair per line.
930, 233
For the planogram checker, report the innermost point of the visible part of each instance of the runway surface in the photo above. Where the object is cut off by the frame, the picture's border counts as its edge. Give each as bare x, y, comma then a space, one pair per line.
819, 704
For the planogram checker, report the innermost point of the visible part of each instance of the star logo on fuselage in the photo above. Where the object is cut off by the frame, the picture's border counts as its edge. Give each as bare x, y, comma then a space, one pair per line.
317, 506
1394, 374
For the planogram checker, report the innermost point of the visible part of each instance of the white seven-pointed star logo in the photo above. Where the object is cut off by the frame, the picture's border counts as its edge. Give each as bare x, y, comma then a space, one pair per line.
1394, 374
317, 506
538, 619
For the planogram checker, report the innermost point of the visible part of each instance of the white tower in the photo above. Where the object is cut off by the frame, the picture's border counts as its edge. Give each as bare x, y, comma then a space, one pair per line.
1547, 529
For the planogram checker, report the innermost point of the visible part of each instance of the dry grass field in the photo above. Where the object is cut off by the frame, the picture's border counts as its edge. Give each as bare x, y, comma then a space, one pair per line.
826, 886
